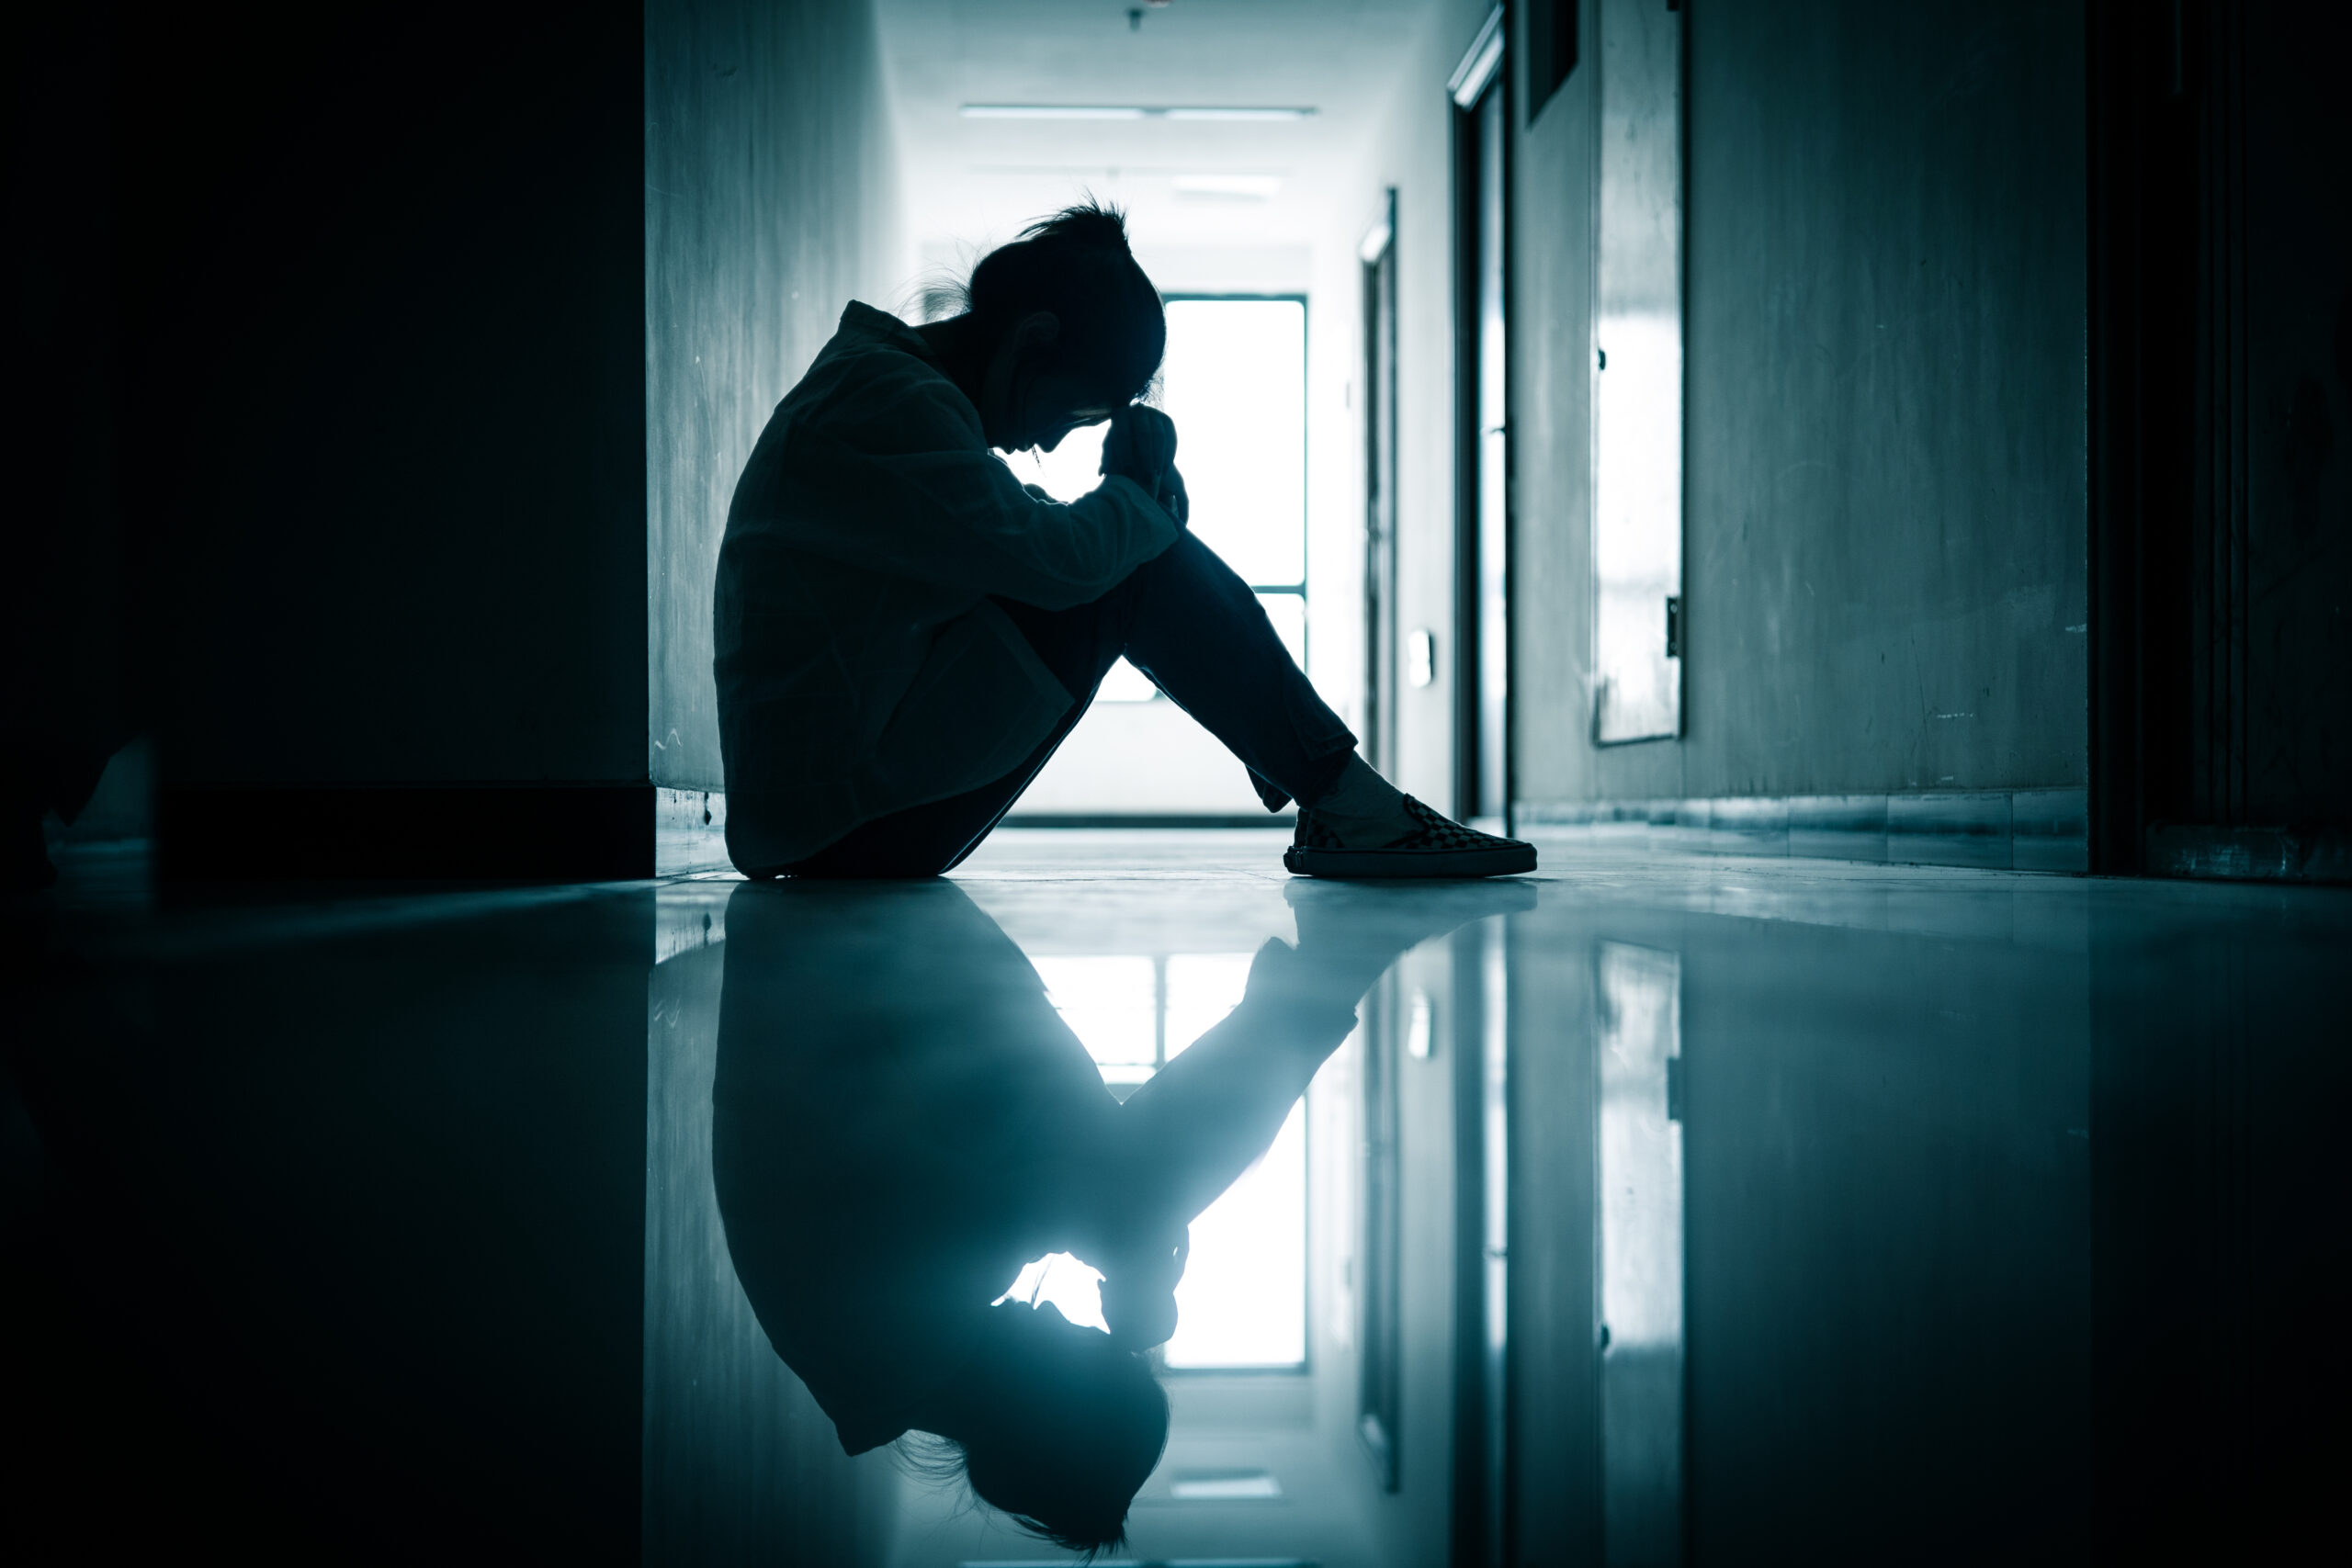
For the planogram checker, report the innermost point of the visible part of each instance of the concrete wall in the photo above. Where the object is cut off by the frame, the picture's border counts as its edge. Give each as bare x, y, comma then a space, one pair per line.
1884, 532
1551, 281
770, 202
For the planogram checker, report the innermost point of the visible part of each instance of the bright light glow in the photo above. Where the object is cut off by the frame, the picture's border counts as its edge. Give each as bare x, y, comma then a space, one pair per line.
1243, 1299
1201, 988
1242, 1302
1072, 469
1641, 1149
1074, 1290
1111, 1004
1418, 1022
1235, 384
1288, 611
1639, 993
1637, 534
1125, 683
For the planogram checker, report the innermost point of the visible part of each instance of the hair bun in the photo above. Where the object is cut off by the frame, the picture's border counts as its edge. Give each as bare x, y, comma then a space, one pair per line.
1089, 223
1077, 265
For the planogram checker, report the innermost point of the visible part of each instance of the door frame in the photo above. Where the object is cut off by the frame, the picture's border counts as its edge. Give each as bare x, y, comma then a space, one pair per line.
1377, 253
1482, 72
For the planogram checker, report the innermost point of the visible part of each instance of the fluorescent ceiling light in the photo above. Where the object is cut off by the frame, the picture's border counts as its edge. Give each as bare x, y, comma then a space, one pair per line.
1051, 111
1225, 1487
1125, 111
1242, 188
1238, 114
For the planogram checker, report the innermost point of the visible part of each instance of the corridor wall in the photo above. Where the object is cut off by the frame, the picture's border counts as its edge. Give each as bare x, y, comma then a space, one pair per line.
771, 201
1884, 541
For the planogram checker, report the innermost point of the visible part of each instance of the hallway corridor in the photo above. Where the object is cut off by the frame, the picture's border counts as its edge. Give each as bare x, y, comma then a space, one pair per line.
1660, 1208
535, 527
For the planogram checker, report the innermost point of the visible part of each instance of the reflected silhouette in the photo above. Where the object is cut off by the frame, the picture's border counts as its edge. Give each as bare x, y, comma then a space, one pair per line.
889, 1152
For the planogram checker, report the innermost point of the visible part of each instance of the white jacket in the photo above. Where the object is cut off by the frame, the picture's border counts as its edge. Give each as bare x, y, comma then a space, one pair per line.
862, 668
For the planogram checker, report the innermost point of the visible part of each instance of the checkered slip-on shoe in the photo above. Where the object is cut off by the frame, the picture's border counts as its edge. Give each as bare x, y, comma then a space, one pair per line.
1436, 846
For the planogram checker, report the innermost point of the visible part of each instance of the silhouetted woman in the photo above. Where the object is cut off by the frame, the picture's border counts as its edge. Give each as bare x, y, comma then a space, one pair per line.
901, 1121
905, 632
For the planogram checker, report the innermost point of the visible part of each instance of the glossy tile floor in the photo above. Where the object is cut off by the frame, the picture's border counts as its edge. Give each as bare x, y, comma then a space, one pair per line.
1656, 1210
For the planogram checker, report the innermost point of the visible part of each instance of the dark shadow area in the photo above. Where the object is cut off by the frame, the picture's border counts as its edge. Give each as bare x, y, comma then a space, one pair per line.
323, 1238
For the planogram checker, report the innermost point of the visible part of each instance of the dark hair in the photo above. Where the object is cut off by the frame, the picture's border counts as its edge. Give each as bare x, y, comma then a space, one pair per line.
1077, 265
1072, 1438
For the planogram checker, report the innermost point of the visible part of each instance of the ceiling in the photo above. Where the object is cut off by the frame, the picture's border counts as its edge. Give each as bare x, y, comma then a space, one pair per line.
1247, 190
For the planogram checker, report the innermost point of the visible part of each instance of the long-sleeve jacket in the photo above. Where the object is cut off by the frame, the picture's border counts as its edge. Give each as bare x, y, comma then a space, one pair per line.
861, 665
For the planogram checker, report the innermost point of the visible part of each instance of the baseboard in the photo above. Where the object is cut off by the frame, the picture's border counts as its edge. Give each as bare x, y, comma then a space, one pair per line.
2250, 855
2036, 829
442, 832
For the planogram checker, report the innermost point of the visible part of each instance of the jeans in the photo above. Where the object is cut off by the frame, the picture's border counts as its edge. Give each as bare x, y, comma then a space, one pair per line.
1185, 620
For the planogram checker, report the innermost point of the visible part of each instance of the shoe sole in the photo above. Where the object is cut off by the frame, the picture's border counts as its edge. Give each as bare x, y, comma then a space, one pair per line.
1506, 860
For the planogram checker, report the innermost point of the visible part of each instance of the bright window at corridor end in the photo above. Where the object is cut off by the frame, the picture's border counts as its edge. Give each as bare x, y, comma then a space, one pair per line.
1235, 382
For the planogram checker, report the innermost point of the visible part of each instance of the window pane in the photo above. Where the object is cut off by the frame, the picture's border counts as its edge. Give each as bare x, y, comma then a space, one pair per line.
1201, 988
1235, 382
1243, 1299
1242, 1302
1111, 1004
1288, 611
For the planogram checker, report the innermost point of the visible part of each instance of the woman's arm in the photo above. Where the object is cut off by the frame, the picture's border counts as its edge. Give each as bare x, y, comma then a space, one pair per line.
1186, 1135
905, 484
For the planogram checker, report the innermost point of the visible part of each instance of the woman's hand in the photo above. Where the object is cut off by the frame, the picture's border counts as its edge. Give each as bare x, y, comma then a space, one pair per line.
1139, 1292
1141, 446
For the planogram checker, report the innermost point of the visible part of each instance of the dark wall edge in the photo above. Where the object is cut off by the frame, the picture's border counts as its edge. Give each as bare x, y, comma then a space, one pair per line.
555, 832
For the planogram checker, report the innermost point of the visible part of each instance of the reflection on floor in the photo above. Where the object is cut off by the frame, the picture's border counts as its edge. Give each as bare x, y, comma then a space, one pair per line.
1654, 1211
